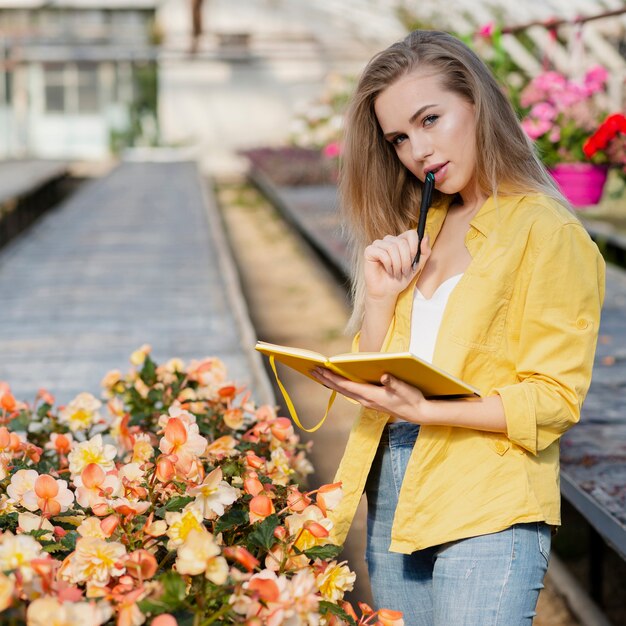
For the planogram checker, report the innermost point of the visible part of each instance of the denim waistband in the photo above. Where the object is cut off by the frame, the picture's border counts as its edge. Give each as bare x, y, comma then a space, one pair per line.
399, 434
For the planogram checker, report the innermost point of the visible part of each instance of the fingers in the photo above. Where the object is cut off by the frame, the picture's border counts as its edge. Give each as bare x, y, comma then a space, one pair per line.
395, 254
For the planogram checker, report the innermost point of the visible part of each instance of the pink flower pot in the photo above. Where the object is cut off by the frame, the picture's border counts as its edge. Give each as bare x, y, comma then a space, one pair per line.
581, 183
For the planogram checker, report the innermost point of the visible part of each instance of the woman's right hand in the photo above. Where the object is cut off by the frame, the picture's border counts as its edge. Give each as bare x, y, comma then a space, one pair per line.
388, 264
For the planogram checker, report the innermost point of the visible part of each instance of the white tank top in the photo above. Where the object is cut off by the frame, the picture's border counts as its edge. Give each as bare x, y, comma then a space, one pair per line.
426, 318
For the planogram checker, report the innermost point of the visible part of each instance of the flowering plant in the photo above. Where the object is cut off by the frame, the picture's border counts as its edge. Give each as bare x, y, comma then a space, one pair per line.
178, 500
560, 114
609, 139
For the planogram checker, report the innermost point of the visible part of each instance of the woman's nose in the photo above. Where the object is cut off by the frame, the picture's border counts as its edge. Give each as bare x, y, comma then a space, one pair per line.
420, 148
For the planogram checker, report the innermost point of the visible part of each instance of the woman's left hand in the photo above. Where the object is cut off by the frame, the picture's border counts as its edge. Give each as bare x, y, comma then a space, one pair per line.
394, 396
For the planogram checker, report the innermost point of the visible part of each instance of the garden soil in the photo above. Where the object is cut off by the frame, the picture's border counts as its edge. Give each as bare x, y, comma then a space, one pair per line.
294, 300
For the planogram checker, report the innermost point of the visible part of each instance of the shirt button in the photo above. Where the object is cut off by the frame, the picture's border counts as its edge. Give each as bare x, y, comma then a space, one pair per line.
500, 447
582, 323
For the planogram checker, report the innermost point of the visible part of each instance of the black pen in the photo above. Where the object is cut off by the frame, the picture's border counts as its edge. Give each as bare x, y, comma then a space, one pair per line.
427, 194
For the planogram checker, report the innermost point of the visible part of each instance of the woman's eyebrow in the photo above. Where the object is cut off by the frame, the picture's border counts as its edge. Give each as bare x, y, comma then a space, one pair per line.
411, 119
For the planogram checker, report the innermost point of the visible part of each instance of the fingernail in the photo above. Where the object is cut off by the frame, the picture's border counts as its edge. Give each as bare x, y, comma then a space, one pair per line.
385, 379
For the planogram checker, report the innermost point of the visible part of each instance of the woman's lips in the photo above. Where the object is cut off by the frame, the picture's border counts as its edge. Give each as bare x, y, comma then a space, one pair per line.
440, 173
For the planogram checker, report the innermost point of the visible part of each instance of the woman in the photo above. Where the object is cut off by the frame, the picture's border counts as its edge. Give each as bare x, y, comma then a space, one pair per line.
506, 296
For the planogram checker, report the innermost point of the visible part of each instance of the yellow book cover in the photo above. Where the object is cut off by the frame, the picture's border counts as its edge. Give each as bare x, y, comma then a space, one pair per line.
432, 381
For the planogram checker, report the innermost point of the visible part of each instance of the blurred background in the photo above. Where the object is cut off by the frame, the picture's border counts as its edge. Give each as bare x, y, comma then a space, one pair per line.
168, 176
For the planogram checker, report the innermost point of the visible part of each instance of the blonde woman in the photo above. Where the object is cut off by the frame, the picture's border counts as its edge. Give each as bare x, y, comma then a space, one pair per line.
462, 494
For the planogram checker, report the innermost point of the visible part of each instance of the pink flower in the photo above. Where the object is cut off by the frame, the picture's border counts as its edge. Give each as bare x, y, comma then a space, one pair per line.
332, 150
535, 128
486, 31
595, 79
543, 111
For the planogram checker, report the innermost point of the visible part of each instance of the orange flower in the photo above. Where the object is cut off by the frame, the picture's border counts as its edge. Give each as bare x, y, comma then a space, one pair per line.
297, 501
109, 524
242, 556
252, 484
141, 564
165, 619
281, 428
7, 400
328, 497
261, 506
51, 496
254, 461
165, 470
266, 588
387, 617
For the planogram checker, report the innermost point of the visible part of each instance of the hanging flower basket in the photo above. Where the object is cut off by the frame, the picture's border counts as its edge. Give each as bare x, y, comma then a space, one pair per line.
581, 183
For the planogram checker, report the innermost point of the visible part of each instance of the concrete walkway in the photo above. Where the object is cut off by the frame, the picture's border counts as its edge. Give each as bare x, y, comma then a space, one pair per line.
132, 258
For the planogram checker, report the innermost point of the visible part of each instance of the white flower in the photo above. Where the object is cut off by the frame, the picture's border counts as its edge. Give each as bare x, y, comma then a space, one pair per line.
213, 495
335, 580
17, 553
29, 521
81, 413
22, 483
58, 498
200, 554
92, 451
49, 611
95, 560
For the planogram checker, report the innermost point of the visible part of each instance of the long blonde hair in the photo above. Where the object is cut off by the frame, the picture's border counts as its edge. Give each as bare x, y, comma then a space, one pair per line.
378, 194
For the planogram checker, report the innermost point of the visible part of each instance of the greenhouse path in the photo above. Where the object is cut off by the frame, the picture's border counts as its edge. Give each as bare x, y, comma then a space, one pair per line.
135, 257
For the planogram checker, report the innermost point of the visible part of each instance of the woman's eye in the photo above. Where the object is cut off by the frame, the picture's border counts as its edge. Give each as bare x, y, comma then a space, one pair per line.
397, 140
429, 120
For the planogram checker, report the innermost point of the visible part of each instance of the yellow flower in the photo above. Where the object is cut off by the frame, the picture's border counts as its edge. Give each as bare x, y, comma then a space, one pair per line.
17, 553
200, 554
7, 586
48, 611
138, 357
95, 560
279, 468
335, 580
90, 527
181, 524
81, 413
309, 528
142, 449
91, 451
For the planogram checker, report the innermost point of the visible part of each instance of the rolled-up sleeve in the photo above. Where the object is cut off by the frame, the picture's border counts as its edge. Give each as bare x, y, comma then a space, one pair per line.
558, 334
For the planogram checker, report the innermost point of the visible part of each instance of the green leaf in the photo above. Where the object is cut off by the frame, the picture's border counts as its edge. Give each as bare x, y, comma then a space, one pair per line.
8, 521
263, 533
328, 551
231, 519
231, 468
148, 371
50, 548
326, 607
178, 502
43, 409
68, 541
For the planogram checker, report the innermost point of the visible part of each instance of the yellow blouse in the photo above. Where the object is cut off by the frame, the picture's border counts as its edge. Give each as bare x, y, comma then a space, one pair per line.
522, 323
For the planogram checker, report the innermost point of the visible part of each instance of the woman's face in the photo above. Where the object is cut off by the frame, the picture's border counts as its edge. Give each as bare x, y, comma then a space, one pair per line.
431, 129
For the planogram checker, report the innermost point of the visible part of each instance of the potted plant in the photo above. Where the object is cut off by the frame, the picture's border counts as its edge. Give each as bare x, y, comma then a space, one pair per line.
560, 115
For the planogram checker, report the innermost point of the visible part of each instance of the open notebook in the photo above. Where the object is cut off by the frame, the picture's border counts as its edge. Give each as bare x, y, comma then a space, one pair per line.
432, 381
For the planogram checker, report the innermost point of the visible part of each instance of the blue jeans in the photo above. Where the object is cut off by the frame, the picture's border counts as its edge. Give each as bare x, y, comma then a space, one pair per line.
489, 580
